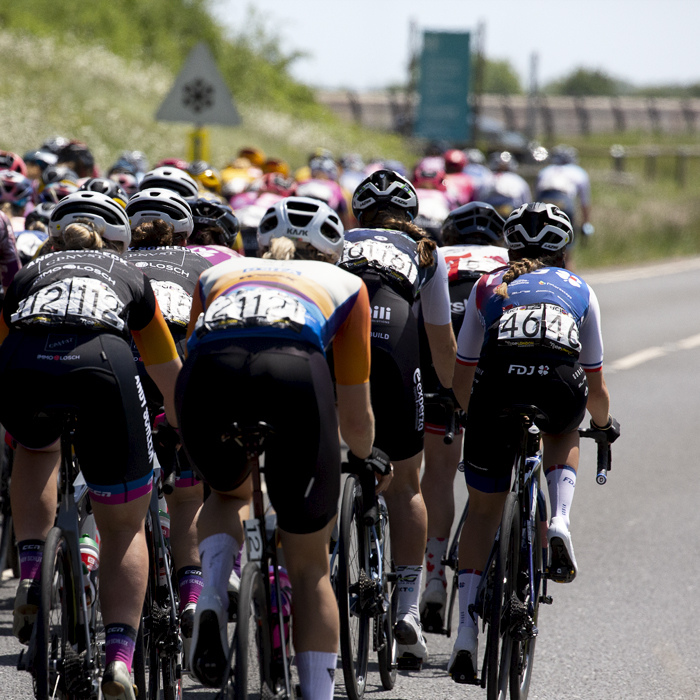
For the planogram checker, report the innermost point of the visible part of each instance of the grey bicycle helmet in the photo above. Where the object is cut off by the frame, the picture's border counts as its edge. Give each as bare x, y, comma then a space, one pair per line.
538, 228
154, 203
171, 179
304, 220
102, 210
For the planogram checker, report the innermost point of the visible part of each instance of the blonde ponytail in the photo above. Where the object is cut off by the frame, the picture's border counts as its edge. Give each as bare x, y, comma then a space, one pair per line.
281, 249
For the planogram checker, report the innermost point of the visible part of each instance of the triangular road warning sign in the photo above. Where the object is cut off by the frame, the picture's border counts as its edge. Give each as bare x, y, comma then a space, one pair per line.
200, 95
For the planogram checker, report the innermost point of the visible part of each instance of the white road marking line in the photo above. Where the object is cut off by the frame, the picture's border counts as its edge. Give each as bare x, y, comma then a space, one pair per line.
642, 356
645, 271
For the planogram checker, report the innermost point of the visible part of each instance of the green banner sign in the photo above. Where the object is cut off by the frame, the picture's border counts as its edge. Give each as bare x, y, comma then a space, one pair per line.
443, 89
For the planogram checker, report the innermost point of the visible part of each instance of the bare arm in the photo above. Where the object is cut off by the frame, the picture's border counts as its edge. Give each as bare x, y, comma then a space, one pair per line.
598, 398
462, 384
443, 349
356, 418
165, 376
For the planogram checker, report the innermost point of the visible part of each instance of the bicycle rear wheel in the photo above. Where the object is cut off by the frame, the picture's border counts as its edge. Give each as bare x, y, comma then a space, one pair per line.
353, 577
499, 641
254, 678
524, 652
6, 530
389, 651
58, 666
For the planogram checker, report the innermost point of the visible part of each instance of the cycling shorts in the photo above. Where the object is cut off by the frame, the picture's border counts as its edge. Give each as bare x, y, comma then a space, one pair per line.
435, 415
557, 387
395, 378
287, 385
94, 375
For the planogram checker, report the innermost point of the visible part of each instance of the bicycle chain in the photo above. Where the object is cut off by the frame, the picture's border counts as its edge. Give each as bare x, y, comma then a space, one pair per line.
77, 685
518, 621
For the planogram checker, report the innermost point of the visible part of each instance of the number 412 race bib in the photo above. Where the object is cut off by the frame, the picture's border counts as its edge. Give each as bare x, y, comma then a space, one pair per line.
544, 325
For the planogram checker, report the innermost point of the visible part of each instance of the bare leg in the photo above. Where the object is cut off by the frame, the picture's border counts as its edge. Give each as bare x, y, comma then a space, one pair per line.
224, 512
480, 527
34, 491
184, 505
407, 514
437, 485
123, 560
316, 621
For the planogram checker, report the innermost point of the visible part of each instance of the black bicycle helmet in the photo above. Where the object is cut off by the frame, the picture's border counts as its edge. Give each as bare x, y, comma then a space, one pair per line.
106, 186
538, 228
41, 212
56, 173
477, 222
385, 190
77, 153
216, 217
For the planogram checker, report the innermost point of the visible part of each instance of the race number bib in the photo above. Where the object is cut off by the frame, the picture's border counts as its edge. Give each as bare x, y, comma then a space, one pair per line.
175, 303
539, 325
77, 300
255, 307
382, 255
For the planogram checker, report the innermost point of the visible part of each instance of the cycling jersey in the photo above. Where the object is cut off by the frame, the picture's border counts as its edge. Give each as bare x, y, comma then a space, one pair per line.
299, 300
547, 311
9, 257
88, 291
508, 186
394, 256
482, 178
461, 187
29, 243
570, 178
173, 272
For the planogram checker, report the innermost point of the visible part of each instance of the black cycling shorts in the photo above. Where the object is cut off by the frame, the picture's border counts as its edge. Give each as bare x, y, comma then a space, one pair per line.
434, 414
559, 388
396, 383
284, 383
93, 375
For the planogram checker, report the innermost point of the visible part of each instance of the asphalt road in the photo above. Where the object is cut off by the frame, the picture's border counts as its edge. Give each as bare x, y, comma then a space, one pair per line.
627, 627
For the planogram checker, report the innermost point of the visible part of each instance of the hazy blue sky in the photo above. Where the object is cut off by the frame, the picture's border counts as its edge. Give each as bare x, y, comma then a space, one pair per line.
364, 43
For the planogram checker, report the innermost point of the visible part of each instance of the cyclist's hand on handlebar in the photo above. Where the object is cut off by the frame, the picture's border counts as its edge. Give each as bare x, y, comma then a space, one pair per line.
611, 429
378, 461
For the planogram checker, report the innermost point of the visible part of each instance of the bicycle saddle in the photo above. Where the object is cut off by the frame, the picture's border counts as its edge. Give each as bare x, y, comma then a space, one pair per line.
523, 410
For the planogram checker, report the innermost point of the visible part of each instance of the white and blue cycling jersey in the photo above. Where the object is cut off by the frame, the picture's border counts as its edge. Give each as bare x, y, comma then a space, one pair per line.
549, 309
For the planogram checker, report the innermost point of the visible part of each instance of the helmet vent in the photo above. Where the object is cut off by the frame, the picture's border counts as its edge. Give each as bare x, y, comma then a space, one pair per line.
299, 220
329, 232
302, 206
268, 224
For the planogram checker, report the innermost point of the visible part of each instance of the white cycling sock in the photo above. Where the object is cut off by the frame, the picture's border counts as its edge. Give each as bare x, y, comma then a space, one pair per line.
217, 554
468, 583
317, 674
561, 482
408, 580
434, 552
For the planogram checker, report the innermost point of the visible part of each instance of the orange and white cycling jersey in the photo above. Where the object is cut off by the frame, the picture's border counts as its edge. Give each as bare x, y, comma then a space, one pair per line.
296, 299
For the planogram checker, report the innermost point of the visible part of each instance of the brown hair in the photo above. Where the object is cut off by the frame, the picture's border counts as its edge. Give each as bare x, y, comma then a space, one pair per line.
426, 245
83, 234
283, 248
522, 266
154, 233
38, 226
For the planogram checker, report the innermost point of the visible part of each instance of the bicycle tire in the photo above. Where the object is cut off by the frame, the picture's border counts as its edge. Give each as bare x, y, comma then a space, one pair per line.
498, 638
7, 531
389, 651
524, 652
353, 566
253, 656
56, 620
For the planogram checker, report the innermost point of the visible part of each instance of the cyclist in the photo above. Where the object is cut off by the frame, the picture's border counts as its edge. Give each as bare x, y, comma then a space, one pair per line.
531, 335
11, 161
508, 190
77, 156
434, 200
209, 178
398, 263
259, 329
9, 257
57, 350
36, 232
106, 186
323, 185
473, 236
460, 185
161, 223
16, 192
566, 184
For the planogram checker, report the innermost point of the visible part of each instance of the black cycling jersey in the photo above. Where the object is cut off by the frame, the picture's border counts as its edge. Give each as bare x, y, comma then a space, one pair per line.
173, 272
89, 290
392, 254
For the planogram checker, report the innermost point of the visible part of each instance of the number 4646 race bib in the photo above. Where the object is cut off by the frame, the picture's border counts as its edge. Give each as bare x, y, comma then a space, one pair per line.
544, 325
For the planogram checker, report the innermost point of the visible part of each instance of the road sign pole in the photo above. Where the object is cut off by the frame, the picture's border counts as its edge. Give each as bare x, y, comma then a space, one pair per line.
198, 146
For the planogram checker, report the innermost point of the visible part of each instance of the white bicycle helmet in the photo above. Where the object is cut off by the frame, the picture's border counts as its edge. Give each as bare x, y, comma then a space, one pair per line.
537, 227
304, 220
102, 210
170, 179
385, 190
165, 204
